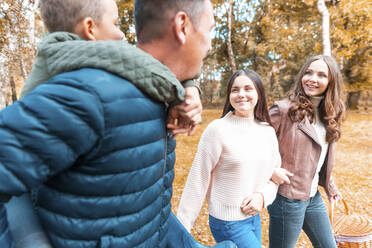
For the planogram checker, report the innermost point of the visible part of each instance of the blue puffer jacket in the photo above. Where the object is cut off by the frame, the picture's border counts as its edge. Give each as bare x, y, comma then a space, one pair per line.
98, 150
5, 237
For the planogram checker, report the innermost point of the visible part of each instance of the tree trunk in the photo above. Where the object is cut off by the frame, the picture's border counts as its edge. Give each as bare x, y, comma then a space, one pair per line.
22, 67
276, 90
32, 31
13, 90
325, 27
3, 92
229, 45
353, 99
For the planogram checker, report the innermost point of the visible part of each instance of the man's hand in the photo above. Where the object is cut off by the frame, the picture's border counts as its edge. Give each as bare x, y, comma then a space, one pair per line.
281, 175
186, 116
253, 204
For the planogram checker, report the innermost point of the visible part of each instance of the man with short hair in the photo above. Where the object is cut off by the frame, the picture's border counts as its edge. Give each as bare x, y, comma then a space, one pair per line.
94, 142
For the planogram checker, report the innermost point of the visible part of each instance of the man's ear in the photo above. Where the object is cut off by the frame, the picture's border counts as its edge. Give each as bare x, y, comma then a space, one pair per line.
86, 29
181, 26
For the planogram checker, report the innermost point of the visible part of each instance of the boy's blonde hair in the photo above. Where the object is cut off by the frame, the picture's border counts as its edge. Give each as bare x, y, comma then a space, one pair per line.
64, 15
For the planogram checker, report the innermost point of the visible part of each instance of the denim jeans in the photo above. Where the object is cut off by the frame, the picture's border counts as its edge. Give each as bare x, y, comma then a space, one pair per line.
24, 224
6, 240
179, 237
289, 216
244, 233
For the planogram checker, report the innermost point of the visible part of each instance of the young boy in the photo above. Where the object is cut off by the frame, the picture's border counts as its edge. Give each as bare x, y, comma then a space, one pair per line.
92, 20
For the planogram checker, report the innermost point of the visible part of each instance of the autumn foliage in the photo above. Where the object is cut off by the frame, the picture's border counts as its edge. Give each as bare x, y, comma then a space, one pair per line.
273, 38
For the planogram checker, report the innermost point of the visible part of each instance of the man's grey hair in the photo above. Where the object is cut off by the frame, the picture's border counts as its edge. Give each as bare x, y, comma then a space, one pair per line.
152, 17
64, 15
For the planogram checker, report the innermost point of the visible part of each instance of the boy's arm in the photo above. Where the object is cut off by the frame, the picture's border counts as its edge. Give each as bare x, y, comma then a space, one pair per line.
45, 133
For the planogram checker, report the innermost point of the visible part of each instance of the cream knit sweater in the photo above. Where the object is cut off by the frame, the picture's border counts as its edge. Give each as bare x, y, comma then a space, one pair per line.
236, 157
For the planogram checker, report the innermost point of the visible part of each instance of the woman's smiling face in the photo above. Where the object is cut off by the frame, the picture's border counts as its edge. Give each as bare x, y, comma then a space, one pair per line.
315, 80
243, 96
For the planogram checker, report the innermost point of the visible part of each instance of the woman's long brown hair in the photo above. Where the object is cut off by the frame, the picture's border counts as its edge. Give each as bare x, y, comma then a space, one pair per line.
331, 108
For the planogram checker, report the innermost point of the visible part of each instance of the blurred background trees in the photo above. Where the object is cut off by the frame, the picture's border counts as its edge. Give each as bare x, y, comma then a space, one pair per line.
20, 30
271, 37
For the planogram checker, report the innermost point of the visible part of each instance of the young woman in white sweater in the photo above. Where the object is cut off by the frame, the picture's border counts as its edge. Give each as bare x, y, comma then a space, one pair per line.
236, 157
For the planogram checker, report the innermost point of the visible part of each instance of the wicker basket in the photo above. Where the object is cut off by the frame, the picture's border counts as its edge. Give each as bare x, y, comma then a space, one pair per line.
351, 230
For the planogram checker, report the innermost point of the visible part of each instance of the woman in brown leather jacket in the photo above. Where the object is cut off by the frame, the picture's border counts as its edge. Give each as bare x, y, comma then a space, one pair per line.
307, 125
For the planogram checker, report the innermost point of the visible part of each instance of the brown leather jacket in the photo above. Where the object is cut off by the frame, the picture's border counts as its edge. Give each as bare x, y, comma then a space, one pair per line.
300, 151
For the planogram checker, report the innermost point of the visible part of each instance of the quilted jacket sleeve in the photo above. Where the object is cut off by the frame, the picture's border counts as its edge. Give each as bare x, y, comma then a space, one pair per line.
46, 132
191, 83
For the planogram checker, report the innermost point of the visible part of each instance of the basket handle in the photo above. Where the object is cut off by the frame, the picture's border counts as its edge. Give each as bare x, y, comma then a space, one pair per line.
331, 209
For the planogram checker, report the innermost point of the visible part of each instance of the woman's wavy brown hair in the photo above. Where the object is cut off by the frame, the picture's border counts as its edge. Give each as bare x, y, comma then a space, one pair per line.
331, 108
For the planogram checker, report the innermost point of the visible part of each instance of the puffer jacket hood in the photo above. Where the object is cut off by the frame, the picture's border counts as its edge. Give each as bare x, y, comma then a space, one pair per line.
63, 52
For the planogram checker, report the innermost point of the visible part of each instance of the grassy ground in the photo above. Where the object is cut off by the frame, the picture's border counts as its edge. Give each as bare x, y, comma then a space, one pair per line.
352, 172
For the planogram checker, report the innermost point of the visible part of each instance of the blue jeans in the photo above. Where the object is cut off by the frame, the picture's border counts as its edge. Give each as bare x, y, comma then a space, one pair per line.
179, 237
6, 240
289, 216
24, 224
244, 233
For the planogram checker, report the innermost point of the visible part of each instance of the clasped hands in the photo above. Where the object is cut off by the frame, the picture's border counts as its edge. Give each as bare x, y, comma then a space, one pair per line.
184, 117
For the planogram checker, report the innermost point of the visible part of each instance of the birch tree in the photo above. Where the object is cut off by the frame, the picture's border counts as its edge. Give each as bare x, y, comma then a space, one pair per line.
18, 45
230, 51
126, 15
325, 27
